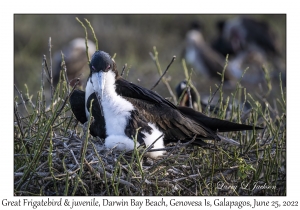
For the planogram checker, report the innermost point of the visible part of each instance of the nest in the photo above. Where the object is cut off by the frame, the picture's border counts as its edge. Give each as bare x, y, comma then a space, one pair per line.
101, 171
79, 164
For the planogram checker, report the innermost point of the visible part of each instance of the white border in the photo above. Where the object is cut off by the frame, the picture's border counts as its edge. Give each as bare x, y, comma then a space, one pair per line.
228, 7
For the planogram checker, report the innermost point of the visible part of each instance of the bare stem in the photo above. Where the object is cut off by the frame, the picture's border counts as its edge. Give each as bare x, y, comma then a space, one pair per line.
123, 70
155, 59
18, 120
51, 76
86, 40
163, 73
63, 64
96, 40
22, 99
187, 77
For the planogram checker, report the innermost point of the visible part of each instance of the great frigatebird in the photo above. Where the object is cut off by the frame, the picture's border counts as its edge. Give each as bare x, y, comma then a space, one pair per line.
120, 109
208, 62
242, 32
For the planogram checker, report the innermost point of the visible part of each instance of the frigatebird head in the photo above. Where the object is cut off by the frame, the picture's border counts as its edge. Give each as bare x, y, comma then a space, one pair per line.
101, 61
101, 65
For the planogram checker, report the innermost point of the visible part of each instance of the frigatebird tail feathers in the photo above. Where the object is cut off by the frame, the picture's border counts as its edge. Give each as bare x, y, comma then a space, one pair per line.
214, 123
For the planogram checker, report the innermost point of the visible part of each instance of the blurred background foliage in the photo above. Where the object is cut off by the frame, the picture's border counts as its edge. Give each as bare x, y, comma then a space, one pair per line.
131, 37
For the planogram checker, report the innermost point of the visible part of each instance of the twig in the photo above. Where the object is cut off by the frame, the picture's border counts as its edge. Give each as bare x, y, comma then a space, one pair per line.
212, 97
163, 73
190, 97
41, 166
18, 121
281, 89
72, 153
222, 82
187, 189
45, 71
102, 171
83, 149
67, 98
61, 175
155, 59
160, 184
86, 40
123, 70
187, 177
41, 145
225, 173
127, 72
63, 64
188, 77
67, 177
151, 145
173, 149
50, 160
96, 40
187, 89
51, 76
22, 99
45, 68
40, 174
189, 83
178, 145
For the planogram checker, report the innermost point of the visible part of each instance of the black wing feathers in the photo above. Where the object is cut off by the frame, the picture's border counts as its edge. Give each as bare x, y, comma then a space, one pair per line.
163, 113
77, 101
214, 123
127, 89
177, 123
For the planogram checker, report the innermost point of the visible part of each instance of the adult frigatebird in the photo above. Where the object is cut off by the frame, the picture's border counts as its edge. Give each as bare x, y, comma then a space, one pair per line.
120, 109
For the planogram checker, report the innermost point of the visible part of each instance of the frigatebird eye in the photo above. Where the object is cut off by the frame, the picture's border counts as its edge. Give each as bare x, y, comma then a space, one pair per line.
94, 69
108, 68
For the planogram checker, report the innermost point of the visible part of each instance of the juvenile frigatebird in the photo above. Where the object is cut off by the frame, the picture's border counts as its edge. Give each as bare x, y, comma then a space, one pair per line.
120, 109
